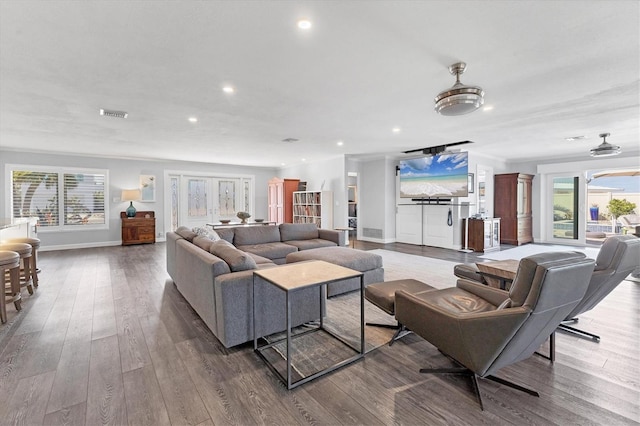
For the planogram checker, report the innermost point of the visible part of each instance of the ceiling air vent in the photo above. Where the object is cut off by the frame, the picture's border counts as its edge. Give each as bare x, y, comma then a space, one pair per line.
290, 140
116, 114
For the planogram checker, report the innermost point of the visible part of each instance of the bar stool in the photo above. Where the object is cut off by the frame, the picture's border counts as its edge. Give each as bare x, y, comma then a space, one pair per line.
35, 245
24, 250
10, 261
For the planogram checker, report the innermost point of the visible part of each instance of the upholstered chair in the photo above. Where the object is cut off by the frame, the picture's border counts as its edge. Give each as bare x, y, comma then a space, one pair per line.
483, 329
618, 257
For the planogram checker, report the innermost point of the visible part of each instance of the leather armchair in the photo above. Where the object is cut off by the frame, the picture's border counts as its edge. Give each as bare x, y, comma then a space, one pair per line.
618, 257
484, 329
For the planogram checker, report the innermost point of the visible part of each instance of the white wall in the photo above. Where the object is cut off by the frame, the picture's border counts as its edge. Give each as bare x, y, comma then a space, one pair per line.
376, 204
332, 172
123, 174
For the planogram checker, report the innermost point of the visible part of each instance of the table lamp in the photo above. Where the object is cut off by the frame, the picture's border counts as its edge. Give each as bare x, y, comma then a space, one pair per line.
130, 195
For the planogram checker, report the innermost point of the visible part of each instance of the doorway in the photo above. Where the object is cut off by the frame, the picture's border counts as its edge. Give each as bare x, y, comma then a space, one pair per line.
198, 199
565, 209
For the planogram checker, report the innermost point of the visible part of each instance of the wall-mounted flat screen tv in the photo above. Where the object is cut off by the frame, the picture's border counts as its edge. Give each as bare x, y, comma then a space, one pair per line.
443, 175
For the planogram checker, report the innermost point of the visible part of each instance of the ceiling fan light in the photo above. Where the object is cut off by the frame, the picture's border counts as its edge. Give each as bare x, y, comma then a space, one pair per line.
459, 99
605, 149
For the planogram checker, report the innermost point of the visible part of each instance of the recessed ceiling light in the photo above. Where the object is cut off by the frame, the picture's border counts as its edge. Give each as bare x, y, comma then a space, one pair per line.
111, 113
193, 119
304, 159
228, 89
487, 108
304, 24
575, 138
283, 164
396, 130
340, 143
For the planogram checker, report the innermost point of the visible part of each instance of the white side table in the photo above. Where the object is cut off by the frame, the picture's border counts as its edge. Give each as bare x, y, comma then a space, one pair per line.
347, 233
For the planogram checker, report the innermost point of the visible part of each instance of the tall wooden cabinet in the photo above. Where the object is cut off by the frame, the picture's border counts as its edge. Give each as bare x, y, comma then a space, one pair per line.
280, 199
140, 229
512, 204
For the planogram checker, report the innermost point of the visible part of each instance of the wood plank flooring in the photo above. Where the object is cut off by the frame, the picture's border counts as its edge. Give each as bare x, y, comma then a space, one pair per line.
108, 339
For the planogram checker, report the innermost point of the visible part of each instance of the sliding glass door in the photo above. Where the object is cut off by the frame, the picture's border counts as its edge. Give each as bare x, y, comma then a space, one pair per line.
566, 213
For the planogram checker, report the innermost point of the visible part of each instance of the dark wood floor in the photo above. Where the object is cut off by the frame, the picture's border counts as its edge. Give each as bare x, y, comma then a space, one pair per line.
107, 339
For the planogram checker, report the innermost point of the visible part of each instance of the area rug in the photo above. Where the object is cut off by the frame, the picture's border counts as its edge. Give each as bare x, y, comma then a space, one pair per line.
531, 249
435, 272
315, 351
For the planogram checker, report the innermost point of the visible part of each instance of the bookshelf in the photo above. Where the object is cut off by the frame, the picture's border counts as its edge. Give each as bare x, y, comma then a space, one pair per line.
313, 207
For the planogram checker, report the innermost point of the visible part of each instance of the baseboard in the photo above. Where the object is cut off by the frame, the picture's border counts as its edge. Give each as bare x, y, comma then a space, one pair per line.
377, 240
87, 245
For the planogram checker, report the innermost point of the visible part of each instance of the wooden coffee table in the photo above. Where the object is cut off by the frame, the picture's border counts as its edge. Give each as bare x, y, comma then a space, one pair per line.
297, 276
498, 273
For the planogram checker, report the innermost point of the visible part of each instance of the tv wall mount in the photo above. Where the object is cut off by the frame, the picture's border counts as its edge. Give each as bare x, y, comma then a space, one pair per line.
436, 149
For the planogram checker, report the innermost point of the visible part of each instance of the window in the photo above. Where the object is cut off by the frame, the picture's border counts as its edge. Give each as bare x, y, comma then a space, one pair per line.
60, 198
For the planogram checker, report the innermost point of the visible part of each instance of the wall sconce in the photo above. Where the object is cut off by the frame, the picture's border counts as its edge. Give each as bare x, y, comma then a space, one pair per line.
131, 195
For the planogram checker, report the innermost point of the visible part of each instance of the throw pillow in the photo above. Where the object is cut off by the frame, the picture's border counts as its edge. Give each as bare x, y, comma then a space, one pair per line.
207, 233
236, 259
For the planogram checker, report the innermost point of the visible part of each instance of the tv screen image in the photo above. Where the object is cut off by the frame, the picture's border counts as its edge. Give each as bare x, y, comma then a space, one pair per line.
441, 175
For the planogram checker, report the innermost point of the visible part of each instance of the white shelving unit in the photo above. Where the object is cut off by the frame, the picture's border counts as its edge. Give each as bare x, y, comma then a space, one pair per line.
313, 207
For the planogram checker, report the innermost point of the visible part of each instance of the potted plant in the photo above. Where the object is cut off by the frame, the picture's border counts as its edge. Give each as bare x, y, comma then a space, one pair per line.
594, 211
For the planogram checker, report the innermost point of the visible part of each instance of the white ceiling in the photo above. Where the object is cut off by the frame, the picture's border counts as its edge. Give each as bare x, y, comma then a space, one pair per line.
549, 69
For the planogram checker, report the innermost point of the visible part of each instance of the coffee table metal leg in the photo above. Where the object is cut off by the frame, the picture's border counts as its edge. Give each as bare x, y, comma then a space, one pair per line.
288, 340
362, 314
253, 302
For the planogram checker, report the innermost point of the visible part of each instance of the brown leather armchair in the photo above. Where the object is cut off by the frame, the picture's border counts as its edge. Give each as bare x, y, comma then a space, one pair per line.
618, 257
484, 329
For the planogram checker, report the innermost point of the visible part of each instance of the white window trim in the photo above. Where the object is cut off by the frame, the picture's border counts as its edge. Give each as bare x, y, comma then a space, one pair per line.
9, 168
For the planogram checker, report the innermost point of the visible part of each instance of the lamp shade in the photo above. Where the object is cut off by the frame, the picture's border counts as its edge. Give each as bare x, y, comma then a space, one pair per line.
130, 195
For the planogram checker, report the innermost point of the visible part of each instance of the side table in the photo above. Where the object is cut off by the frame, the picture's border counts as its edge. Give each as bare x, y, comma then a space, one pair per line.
347, 232
297, 276
499, 272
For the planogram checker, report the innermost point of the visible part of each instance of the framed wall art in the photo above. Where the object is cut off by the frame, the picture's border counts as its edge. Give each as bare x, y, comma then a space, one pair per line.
147, 188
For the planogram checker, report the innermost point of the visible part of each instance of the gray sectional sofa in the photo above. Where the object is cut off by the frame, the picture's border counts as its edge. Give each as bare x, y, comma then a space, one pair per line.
216, 277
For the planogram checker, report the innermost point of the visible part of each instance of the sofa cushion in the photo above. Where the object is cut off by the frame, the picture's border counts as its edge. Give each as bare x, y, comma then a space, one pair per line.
250, 235
349, 258
298, 231
259, 259
203, 242
226, 234
207, 233
275, 250
186, 233
236, 259
311, 244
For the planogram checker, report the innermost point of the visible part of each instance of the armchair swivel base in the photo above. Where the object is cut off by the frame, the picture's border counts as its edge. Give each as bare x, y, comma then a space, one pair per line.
581, 333
474, 380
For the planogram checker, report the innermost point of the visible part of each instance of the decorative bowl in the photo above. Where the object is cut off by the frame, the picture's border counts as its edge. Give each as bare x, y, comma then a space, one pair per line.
259, 220
244, 216
225, 220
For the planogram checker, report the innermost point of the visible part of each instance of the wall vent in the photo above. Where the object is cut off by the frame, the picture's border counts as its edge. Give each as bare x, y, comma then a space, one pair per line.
116, 114
372, 233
